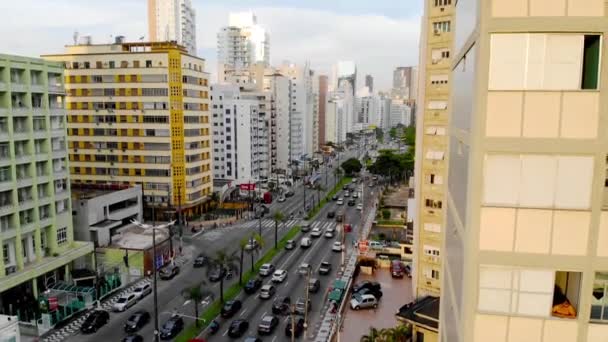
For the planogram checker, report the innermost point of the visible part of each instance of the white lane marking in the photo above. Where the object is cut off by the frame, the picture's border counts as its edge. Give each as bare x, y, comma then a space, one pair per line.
287, 282
286, 318
243, 312
274, 338
264, 314
225, 333
285, 262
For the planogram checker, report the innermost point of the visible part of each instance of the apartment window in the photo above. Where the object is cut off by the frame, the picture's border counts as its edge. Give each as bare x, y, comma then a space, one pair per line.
442, 3
6, 253
148, 64
439, 79
437, 105
432, 227
435, 155
62, 235
441, 27
599, 298
434, 179
433, 130
430, 203
591, 62
112, 64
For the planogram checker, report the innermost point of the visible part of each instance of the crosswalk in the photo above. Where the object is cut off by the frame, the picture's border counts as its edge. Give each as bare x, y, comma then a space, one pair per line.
269, 224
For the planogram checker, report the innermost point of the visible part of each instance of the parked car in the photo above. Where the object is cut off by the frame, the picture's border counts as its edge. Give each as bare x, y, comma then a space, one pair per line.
136, 321
374, 292
217, 274
200, 261
297, 323
231, 307
171, 328
266, 269
352, 202
305, 226
301, 306
133, 338
367, 284
168, 272
305, 242
281, 305
304, 268
363, 302
325, 268
376, 245
331, 214
316, 232
124, 302
290, 245
397, 269
337, 246
142, 290
279, 276
314, 285
267, 325
267, 291
237, 328
252, 285
94, 321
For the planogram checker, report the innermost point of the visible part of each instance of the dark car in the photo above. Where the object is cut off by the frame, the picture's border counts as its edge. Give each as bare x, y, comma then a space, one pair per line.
345, 187
251, 339
137, 321
335, 197
298, 324
253, 285
374, 292
290, 245
331, 214
231, 307
133, 338
351, 202
200, 261
314, 285
168, 272
267, 325
94, 321
325, 268
217, 274
340, 218
280, 306
289, 193
238, 327
171, 328
366, 284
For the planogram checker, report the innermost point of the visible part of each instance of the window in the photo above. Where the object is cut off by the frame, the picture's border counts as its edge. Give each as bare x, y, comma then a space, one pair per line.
441, 26
148, 64
112, 64
435, 155
433, 203
442, 3
566, 294
432, 227
599, 297
437, 105
6, 253
62, 235
439, 79
591, 62
434, 179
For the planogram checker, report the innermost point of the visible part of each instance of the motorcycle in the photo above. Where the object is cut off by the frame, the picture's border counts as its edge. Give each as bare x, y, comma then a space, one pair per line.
229, 275
214, 326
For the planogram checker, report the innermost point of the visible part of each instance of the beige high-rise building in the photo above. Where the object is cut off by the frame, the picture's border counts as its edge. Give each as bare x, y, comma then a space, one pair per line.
525, 255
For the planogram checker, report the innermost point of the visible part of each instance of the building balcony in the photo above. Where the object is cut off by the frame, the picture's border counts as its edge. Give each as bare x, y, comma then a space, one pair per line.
18, 87
39, 111
42, 155
39, 134
21, 135
59, 153
27, 225
2, 86
37, 88
62, 195
7, 208
44, 199
4, 111
56, 89
42, 178
21, 111
26, 203
25, 181
23, 158
45, 221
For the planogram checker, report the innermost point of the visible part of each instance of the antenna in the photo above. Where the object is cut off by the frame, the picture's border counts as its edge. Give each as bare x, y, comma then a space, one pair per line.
75, 37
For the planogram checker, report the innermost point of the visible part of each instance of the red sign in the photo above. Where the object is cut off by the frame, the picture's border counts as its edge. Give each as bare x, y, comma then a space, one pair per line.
247, 187
53, 303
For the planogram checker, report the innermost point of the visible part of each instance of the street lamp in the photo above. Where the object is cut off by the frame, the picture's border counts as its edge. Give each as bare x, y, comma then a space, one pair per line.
165, 226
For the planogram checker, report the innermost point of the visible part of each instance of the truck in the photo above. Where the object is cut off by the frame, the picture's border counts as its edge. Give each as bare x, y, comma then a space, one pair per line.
267, 199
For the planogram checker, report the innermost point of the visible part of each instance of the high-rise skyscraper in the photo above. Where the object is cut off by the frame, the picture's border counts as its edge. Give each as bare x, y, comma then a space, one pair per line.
404, 82
241, 44
172, 20
323, 89
369, 83
526, 238
139, 113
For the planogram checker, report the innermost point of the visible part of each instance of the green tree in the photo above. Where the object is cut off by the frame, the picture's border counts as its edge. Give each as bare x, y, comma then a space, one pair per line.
379, 134
255, 248
374, 335
242, 245
351, 166
386, 214
196, 294
224, 260
278, 217
393, 133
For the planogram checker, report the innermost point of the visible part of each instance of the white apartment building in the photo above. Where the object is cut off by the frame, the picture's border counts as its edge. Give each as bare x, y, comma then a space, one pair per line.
338, 115
400, 113
525, 254
172, 20
240, 133
367, 109
241, 44
385, 111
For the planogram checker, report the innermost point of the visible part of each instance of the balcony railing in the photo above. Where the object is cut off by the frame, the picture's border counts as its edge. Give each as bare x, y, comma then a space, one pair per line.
21, 111
19, 87
56, 89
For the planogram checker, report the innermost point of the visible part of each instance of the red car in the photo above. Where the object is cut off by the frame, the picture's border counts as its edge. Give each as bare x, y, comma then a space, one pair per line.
348, 228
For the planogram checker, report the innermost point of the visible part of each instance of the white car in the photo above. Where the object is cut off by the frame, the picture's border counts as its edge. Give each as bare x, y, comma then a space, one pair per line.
125, 302
316, 232
329, 234
279, 276
360, 207
266, 270
281, 199
142, 290
337, 246
340, 201
363, 301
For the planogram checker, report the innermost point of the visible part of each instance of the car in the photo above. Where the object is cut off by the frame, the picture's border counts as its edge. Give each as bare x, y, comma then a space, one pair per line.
340, 217
137, 320
279, 276
231, 307
124, 302
304, 268
351, 202
345, 187
281, 199
289, 245
252, 244
331, 214
295, 323
324, 268
367, 284
217, 274
363, 302
374, 292
171, 328
200, 261
267, 291
142, 290
347, 194
252, 285
356, 194
376, 245
314, 285
133, 338
354, 180
267, 325
316, 232
397, 269
281, 305
340, 201
329, 234
337, 246
289, 193
334, 197
305, 242
237, 328
375, 178
168, 272
266, 269
305, 226
301, 306
360, 207
94, 321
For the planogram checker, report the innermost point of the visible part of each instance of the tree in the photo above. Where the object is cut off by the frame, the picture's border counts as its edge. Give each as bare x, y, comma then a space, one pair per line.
277, 217
374, 335
242, 244
255, 248
379, 134
330, 144
196, 294
220, 260
351, 166
393, 133
337, 173
319, 188
386, 214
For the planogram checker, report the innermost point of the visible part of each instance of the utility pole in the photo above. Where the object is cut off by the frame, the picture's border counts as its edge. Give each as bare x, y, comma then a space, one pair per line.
293, 322
342, 238
169, 204
306, 302
156, 331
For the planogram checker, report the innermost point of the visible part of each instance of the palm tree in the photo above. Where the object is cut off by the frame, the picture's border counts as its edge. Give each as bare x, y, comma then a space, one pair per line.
374, 335
220, 260
319, 188
242, 244
196, 294
255, 248
277, 217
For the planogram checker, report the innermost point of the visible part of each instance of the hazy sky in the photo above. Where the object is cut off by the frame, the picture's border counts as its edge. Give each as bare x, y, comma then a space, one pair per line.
378, 35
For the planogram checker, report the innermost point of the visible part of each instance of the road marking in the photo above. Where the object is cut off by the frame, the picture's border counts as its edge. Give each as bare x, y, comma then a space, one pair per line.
264, 314
287, 282
243, 312
286, 318
225, 333
274, 338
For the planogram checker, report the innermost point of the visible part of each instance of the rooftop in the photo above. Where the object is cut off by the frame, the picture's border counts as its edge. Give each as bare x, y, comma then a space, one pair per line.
134, 237
88, 191
423, 312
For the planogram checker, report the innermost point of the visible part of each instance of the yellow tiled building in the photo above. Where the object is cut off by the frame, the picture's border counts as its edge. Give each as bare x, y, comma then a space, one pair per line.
139, 113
